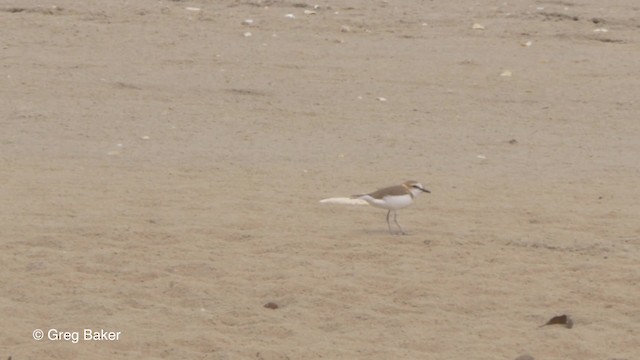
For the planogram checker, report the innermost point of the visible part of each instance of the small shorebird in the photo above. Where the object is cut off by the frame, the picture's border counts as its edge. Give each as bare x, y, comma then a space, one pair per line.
393, 198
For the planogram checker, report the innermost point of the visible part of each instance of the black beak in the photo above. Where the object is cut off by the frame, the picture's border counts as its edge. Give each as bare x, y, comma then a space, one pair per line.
425, 190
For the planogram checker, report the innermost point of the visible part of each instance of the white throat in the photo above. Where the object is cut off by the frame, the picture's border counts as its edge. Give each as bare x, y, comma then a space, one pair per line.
415, 191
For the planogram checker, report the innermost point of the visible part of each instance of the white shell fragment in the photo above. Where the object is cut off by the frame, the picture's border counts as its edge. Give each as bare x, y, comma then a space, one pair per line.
145, 137
382, 99
477, 26
309, 12
506, 73
115, 151
192, 9
527, 44
343, 201
247, 34
247, 22
290, 16
600, 30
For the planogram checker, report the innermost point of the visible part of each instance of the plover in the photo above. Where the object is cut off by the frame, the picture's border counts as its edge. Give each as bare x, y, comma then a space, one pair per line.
393, 198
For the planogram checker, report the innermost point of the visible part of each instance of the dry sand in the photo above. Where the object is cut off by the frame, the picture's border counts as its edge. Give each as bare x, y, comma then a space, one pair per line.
160, 175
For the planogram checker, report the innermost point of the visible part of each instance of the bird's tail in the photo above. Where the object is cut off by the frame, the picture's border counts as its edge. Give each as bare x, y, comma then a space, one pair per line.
354, 200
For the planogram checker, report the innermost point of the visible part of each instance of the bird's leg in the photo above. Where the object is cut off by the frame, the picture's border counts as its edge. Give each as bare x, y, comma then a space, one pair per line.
388, 223
395, 219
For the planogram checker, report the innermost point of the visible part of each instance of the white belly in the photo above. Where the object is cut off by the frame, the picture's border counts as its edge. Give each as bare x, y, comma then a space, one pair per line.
389, 202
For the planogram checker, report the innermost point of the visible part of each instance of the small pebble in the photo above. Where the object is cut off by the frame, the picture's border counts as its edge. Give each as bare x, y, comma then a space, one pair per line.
247, 22
345, 29
477, 26
290, 16
247, 34
560, 320
271, 305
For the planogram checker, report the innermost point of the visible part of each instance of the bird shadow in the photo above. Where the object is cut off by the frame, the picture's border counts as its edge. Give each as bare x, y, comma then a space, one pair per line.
384, 232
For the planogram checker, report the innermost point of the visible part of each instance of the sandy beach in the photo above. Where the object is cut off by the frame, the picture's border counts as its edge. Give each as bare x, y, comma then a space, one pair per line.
162, 163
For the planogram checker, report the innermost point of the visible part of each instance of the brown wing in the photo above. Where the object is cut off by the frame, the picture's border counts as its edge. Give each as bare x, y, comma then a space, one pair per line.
391, 190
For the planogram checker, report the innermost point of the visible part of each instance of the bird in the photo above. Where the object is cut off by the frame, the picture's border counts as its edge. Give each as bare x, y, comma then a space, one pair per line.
393, 198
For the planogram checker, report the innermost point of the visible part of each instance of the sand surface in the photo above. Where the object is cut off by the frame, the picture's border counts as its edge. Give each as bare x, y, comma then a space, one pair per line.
160, 173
